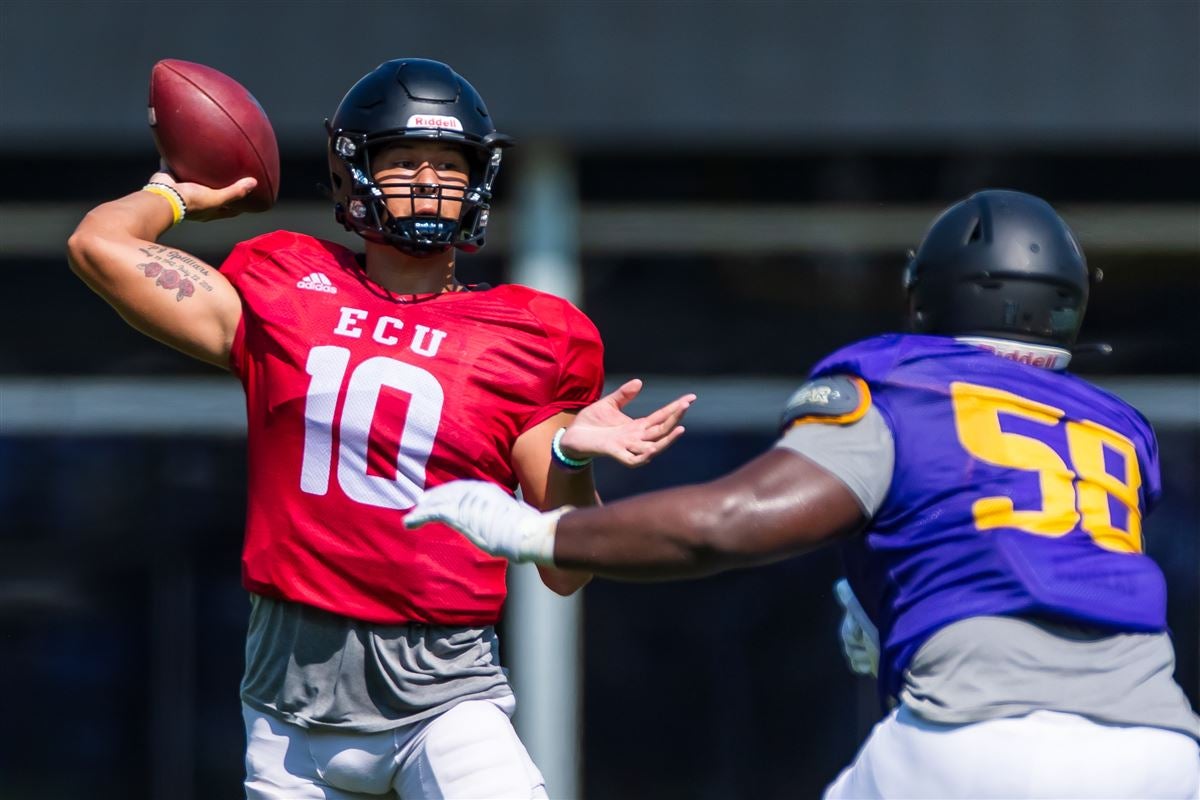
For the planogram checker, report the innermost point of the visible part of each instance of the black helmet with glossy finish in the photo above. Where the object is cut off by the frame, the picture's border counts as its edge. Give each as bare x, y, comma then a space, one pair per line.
412, 99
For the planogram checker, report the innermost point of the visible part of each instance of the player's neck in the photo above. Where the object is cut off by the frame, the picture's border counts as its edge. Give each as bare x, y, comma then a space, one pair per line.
401, 273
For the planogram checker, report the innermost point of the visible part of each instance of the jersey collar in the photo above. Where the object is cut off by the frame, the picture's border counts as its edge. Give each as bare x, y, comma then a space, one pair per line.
1036, 355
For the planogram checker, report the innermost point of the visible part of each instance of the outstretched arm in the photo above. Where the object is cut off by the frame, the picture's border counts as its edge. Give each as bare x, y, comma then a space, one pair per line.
778, 505
601, 429
162, 291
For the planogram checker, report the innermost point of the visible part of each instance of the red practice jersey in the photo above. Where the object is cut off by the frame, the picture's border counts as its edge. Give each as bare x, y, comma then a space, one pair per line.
358, 400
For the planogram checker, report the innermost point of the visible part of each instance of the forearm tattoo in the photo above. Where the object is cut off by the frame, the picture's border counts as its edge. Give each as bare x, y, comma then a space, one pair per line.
174, 271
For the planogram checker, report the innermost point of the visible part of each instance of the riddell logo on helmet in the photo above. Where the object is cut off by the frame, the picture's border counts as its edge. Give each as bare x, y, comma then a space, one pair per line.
434, 121
1033, 355
1032, 359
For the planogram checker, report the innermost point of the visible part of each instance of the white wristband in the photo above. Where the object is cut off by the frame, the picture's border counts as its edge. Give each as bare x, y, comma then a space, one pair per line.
561, 458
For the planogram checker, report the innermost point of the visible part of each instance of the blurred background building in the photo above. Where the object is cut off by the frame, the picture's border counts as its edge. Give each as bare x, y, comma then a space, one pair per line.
728, 189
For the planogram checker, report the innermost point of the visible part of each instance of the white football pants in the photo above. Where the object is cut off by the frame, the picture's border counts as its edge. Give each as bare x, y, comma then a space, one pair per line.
1045, 754
471, 752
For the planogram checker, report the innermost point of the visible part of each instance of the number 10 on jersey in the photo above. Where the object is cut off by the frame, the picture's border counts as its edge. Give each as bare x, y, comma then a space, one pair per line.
327, 366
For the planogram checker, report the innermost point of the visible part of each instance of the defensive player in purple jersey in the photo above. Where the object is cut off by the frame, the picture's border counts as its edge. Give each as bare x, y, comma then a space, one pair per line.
990, 508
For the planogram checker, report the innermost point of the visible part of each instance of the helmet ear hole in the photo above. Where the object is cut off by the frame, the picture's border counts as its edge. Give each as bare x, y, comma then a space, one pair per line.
976, 231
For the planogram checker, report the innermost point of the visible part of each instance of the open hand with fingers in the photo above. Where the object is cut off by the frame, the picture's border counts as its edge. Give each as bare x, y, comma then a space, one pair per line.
604, 429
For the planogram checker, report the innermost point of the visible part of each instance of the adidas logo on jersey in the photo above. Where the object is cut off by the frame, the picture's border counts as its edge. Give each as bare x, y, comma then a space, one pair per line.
318, 283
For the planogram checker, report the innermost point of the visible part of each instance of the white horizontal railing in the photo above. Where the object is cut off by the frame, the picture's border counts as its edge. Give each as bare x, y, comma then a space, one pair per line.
215, 407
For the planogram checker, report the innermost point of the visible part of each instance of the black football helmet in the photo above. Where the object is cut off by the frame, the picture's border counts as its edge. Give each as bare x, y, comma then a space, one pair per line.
413, 99
1001, 264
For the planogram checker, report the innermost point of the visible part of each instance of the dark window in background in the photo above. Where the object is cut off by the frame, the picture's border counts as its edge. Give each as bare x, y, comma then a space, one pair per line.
121, 617
711, 315
771, 174
853, 175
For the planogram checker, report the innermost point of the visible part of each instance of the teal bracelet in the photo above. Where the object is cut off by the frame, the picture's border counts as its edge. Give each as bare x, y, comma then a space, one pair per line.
564, 461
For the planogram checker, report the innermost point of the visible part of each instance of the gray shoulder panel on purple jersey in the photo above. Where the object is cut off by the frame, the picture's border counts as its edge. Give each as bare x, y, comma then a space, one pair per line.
860, 454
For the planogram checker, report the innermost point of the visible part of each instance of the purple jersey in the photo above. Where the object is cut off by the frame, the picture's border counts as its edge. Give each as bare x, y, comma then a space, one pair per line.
1016, 491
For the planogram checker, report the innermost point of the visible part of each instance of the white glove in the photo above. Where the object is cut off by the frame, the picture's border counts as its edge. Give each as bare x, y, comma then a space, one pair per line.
860, 639
495, 521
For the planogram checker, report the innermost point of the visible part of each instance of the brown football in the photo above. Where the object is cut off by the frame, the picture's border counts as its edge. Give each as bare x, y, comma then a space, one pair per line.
210, 130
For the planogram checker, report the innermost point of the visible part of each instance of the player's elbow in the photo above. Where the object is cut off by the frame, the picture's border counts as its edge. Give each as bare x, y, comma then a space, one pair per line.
92, 237
563, 582
77, 246
81, 249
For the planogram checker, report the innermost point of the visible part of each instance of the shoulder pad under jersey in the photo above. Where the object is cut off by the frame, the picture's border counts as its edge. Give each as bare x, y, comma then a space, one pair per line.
832, 399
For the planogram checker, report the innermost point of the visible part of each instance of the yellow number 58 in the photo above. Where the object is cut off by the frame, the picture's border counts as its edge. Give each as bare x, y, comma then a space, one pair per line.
1072, 494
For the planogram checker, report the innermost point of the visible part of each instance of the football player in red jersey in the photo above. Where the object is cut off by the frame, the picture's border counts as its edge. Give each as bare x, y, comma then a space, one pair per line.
372, 662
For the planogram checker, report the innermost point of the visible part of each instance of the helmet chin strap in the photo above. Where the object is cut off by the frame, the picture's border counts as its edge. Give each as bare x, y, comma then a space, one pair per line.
419, 235
1037, 355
